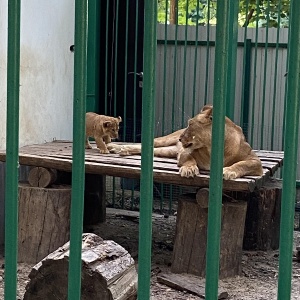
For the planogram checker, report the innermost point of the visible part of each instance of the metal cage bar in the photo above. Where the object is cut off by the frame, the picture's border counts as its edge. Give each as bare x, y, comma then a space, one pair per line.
12, 150
290, 156
78, 167
145, 232
223, 33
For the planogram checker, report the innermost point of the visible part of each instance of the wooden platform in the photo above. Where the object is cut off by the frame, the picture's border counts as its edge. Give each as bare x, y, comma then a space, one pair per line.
58, 155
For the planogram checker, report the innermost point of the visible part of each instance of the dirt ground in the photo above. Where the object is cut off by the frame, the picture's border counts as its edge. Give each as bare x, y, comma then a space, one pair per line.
258, 280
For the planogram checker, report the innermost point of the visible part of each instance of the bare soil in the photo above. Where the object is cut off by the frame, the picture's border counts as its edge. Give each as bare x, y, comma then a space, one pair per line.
258, 280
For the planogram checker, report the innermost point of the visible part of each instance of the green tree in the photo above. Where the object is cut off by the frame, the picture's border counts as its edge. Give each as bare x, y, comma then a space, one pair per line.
262, 13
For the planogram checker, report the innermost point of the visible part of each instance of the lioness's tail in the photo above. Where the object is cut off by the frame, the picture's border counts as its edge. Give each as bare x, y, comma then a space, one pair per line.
168, 140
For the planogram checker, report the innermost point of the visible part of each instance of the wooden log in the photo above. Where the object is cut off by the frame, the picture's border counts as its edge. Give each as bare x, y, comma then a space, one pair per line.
202, 197
108, 272
42, 177
262, 224
189, 253
44, 216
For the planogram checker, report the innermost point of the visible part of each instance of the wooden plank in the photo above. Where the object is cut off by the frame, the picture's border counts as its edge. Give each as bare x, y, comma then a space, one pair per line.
189, 283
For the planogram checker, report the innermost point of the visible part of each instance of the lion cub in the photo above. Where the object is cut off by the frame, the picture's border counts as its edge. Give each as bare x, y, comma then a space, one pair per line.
102, 128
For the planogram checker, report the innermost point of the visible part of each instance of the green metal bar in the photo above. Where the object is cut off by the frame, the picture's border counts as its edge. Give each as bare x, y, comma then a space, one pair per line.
145, 230
92, 101
78, 167
107, 96
223, 32
116, 57
262, 127
208, 44
246, 88
275, 77
125, 74
175, 69
290, 156
12, 150
195, 64
135, 71
246, 69
184, 65
165, 68
254, 72
230, 102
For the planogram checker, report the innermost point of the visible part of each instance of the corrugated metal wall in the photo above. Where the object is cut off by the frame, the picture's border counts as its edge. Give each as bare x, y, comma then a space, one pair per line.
185, 75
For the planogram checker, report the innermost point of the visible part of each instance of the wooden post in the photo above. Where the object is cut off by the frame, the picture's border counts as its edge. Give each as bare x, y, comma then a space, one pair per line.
44, 217
262, 224
189, 255
94, 196
94, 199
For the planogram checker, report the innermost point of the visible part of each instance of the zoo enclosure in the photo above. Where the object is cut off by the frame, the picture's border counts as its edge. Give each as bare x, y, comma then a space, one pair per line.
222, 47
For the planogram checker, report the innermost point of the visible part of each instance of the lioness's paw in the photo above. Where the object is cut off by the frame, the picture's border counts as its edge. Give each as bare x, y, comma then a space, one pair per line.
189, 171
228, 174
88, 146
105, 151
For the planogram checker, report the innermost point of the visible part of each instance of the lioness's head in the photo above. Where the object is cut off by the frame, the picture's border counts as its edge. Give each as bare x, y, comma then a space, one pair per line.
198, 132
111, 127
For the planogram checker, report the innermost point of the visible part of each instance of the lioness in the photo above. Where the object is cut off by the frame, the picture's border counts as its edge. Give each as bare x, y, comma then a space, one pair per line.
192, 147
102, 128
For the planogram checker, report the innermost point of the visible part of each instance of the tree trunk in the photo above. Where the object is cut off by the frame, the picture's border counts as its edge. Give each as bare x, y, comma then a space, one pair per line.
44, 217
108, 272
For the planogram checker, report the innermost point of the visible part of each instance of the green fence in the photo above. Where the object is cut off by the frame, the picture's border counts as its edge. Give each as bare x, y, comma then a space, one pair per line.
223, 96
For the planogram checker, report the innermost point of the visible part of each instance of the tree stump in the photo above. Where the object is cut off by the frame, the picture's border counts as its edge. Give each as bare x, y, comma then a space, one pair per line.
44, 217
189, 255
42, 177
108, 272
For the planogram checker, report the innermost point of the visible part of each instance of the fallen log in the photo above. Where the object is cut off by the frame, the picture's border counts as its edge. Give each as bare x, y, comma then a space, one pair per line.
108, 272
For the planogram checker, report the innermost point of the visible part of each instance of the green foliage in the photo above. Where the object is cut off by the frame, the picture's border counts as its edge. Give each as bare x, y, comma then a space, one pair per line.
252, 13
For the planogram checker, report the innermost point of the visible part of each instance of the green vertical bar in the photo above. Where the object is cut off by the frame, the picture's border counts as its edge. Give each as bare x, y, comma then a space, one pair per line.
207, 53
92, 97
12, 149
78, 170
246, 87
223, 32
184, 64
254, 73
230, 103
262, 127
145, 233
290, 156
275, 76
195, 63
106, 92
175, 69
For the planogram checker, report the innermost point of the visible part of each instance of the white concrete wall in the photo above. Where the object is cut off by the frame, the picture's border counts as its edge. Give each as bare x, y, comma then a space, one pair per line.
46, 77
46, 71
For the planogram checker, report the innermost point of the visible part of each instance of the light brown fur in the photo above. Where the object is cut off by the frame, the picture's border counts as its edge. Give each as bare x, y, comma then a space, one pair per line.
192, 147
102, 128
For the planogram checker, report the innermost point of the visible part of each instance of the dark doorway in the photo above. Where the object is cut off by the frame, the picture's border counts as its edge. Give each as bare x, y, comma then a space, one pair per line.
120, 60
